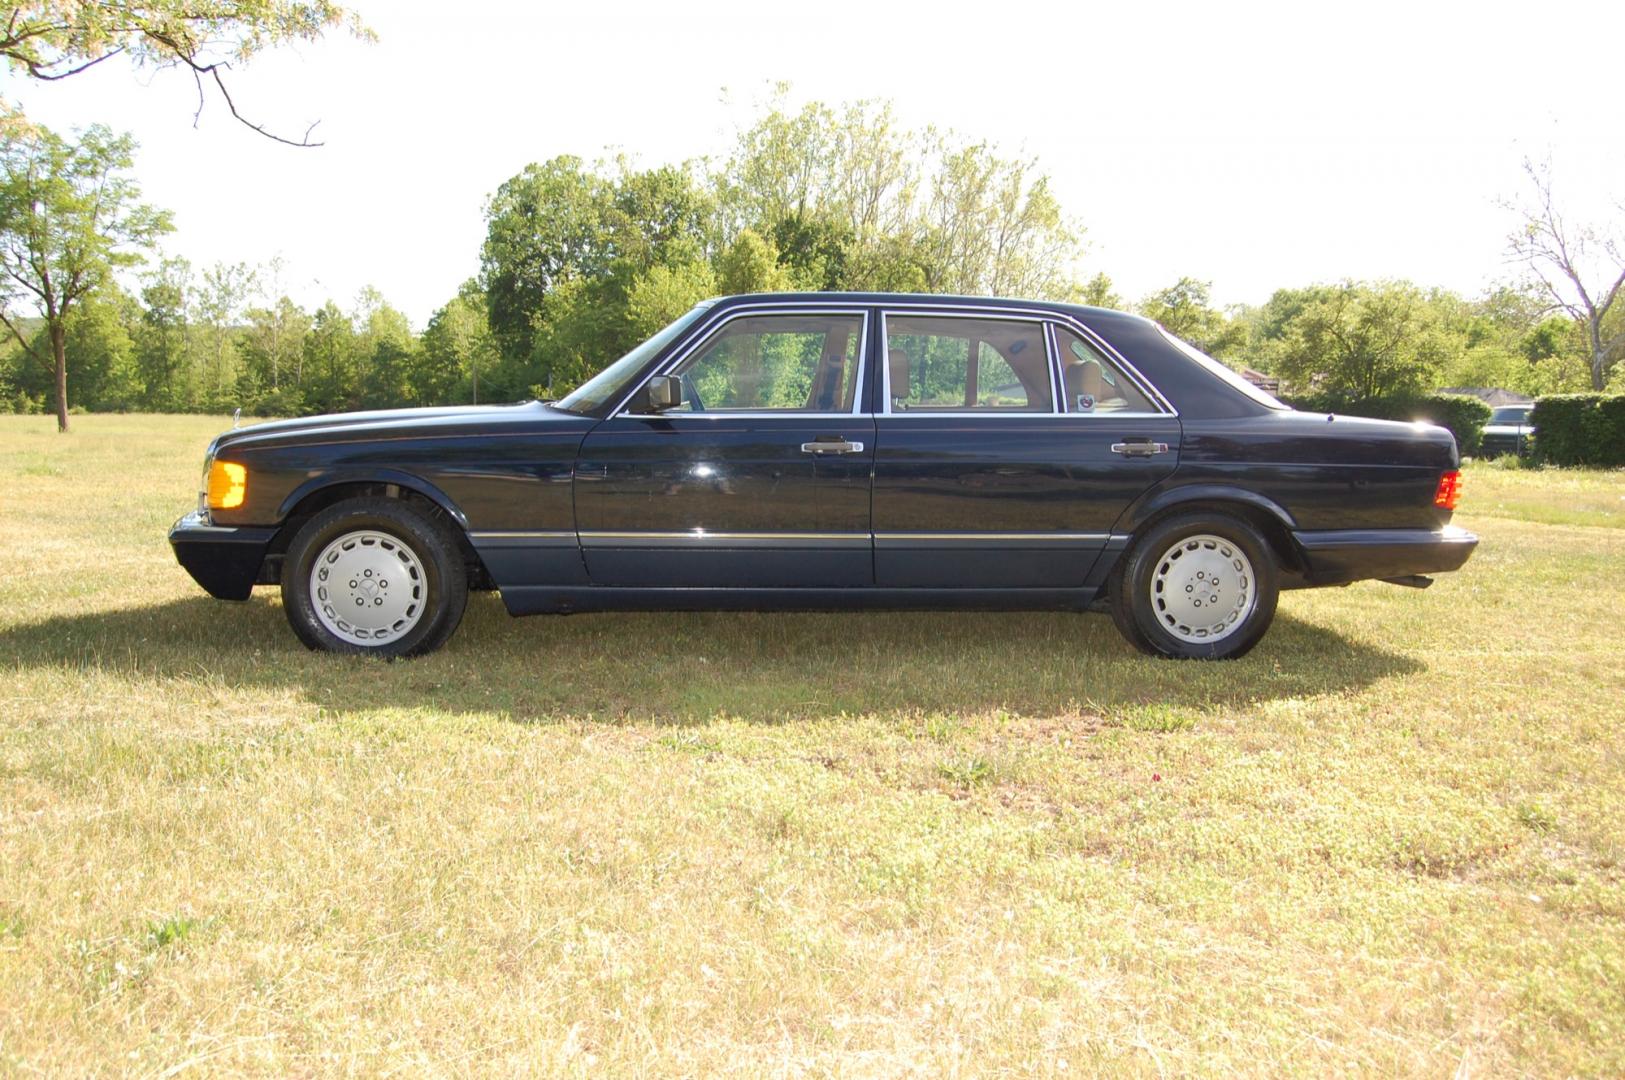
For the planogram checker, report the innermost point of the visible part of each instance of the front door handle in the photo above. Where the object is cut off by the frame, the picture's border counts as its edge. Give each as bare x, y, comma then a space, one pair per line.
1139, 448
831, 444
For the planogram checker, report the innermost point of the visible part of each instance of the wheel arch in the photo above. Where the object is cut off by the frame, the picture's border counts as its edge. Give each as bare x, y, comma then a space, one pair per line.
1273, 521
320, 492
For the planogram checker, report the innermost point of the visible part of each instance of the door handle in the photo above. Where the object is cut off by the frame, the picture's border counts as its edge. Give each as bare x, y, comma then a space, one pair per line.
831, 444
1139, 448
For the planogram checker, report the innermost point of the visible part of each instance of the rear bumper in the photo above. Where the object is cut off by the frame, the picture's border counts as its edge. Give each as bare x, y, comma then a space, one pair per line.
1335, 557
224, 560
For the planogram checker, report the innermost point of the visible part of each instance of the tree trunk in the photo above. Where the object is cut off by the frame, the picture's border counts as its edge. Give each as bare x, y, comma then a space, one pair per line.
1599, 355
59, 355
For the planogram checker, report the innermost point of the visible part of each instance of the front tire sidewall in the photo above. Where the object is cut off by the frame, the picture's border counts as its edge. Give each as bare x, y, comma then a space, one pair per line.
445, 585
1132, 603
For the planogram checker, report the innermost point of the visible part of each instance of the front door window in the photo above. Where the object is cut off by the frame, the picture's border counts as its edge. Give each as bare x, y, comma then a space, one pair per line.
775, 363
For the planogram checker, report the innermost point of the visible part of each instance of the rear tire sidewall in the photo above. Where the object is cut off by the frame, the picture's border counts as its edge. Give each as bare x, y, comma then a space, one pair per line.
1131, 601
445, 578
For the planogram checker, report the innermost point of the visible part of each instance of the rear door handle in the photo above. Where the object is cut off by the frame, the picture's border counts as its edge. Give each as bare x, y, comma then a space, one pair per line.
831, 444
1139, 448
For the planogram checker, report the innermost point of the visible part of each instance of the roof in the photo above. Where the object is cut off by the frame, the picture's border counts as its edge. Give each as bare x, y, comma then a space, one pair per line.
1492, 396
884, 298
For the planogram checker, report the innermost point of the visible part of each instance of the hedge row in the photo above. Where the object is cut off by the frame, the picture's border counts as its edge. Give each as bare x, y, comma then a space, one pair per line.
1465, 416
1580, 429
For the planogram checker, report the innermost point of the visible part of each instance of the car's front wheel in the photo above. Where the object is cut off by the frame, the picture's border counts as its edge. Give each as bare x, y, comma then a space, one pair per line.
374, 576
1198, 586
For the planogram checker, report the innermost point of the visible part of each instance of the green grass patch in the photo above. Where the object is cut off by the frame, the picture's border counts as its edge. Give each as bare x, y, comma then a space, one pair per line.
1391, 840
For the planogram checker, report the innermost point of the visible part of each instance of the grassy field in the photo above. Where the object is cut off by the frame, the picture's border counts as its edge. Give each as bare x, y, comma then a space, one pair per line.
1391, 840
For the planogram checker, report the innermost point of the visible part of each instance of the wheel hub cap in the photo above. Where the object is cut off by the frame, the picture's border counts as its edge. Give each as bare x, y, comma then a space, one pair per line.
1202, 589
367, 587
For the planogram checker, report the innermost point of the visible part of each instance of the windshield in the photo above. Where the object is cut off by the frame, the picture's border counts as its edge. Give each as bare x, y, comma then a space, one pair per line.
614, 380
1261, 396
1515, 415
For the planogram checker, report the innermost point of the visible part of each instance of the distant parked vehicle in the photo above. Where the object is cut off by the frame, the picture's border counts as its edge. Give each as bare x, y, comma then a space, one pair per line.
1508, 432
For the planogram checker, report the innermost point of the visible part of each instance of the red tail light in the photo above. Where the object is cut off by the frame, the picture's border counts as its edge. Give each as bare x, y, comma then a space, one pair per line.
1448, 493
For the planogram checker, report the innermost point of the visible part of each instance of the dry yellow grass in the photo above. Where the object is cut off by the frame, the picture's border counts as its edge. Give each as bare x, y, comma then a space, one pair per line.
1391, 840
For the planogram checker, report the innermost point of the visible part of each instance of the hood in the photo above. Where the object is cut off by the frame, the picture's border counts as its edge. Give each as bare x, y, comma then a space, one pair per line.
387, 422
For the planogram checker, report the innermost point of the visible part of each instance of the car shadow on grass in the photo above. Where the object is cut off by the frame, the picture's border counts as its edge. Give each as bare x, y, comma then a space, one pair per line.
692, 667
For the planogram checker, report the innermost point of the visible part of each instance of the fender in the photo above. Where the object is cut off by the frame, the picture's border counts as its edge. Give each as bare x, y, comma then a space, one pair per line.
1163, 497
399, 477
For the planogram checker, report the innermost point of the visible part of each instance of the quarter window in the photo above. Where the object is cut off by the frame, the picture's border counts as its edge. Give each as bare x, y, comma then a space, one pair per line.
991, 365
780, 363
1091, 383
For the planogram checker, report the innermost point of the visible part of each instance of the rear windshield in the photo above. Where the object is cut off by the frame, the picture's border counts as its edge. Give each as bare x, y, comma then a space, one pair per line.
1263, 397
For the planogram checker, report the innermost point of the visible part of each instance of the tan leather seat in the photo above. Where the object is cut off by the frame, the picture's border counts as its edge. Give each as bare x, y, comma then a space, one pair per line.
898, 361
1083, 378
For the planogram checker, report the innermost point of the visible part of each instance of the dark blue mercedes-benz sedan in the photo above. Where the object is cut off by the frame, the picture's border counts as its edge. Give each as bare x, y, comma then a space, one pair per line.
836, 450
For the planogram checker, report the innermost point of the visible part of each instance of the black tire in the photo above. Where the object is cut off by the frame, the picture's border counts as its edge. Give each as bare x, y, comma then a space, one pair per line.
441, 584
1136, 613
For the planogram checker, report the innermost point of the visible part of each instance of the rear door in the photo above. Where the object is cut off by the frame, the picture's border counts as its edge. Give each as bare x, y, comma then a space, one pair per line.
1006, 448
759, 479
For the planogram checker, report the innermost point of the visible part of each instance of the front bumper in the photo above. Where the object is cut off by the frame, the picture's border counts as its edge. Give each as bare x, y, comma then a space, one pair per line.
225, 560
1336, 557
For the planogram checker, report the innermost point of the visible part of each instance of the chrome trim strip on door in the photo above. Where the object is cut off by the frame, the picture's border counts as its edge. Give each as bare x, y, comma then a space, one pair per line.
704, 538
517, 538
973, 539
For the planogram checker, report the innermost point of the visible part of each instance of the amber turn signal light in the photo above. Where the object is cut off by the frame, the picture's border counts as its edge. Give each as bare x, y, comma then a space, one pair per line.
228, 485
1448, 493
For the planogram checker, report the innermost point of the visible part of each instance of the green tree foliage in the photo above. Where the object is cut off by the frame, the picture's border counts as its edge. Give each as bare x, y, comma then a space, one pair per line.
582, 262
1185, 309
457, 347
161, 337
1356, 340
55, 39
69, 215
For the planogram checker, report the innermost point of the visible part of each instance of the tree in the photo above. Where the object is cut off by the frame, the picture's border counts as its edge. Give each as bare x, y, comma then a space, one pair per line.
226, 288
161, 336
273, 347
68, 216
456, 347
1355, 340
1185, 309
1581, 268
56, 39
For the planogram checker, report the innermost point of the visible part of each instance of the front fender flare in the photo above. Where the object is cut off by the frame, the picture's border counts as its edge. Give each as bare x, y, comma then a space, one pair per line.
338, 477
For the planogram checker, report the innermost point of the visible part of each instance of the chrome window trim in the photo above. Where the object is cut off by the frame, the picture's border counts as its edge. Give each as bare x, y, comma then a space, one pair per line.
950, 410
742, 414
721, 319
926, 304
1141, 382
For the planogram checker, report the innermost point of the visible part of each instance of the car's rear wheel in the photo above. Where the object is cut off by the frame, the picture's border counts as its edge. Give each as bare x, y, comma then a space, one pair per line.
1199, 586
374, 576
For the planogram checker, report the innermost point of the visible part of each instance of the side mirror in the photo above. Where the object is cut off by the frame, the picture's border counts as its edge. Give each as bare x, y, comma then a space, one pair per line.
665, 392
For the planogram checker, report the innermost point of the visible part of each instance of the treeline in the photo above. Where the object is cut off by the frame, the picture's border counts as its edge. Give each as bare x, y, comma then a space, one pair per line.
581, 261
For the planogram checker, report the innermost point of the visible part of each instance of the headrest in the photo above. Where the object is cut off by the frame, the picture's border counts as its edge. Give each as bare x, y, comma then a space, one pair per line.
898, 359
1083, 378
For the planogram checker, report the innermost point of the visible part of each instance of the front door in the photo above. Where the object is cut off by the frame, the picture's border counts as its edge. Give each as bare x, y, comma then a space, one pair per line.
1005, 452
758, 479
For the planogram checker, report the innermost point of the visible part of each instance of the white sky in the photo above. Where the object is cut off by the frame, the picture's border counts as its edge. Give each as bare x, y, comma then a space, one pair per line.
1255, 145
